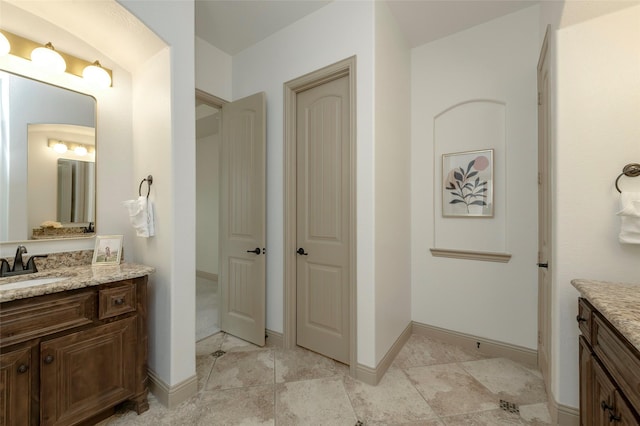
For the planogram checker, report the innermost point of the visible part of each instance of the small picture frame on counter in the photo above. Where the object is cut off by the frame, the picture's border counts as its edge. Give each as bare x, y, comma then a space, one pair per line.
108, 250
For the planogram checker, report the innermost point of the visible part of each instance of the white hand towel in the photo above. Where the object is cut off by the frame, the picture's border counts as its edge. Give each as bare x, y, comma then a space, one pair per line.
630, 218
141, 216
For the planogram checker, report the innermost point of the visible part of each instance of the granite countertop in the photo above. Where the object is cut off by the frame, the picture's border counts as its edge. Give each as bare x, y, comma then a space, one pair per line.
74, 277
619, 303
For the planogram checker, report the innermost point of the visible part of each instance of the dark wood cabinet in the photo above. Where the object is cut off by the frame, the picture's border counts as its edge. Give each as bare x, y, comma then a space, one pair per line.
67, 357
15, 387
609, 372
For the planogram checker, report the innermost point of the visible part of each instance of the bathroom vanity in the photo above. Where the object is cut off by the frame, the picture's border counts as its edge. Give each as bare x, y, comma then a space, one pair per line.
72, 348
609, 322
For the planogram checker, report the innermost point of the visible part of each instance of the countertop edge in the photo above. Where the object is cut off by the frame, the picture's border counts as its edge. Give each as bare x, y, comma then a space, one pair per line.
75, 277
618, 302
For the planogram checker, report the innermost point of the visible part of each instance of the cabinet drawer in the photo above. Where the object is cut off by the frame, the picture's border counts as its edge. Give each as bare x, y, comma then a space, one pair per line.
584, 318
619, 357
27, 319
117, 300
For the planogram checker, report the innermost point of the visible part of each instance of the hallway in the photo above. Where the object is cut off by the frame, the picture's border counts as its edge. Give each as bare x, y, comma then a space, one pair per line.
429, 384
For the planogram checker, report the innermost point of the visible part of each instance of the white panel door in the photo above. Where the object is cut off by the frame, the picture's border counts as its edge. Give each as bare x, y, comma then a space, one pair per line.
242, 219
544, 215
323, 206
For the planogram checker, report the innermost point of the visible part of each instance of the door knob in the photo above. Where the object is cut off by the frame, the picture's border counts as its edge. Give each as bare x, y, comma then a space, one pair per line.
256, 251
302, 252
542, 265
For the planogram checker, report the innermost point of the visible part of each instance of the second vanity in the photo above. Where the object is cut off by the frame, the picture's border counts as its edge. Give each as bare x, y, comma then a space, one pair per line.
73, 343
609, 321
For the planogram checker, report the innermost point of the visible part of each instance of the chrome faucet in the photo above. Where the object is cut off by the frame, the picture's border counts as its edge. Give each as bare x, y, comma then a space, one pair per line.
29, 268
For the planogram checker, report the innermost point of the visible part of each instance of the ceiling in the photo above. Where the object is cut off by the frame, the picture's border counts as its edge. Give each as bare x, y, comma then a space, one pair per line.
233, 25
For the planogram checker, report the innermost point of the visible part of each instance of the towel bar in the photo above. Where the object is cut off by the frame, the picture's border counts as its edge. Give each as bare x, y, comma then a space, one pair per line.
630, 170
149, 180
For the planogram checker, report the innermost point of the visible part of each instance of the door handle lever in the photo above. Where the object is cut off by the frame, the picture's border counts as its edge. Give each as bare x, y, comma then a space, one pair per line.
302, 252
256, 251
542, 265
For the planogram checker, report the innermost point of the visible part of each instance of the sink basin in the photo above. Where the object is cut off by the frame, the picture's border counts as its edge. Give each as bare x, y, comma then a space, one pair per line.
30, 283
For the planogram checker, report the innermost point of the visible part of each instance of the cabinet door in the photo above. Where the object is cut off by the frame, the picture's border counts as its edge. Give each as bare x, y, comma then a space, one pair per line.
603, 395
586, 380
85, 372
15, 387
624, 415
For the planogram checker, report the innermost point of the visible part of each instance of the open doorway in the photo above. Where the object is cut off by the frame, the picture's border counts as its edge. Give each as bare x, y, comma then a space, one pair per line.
207, 213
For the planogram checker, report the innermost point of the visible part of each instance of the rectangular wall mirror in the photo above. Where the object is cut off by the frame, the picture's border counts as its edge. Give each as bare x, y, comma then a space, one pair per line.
34, 118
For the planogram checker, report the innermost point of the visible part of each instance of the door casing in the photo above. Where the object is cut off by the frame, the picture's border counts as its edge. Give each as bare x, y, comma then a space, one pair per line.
340, 69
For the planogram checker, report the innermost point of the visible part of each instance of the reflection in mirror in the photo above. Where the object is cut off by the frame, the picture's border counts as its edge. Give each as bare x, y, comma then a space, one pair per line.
29, 110
75, 191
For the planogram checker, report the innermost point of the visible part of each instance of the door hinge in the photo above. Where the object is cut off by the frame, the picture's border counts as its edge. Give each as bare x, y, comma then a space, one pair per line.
539, 178
539, 98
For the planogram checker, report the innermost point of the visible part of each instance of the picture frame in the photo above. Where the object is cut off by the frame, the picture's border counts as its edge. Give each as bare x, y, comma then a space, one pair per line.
467, 184
108, 250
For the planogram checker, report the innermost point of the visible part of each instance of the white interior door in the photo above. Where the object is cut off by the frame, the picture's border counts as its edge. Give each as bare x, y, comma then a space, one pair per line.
323, 206
544, 214
242, 219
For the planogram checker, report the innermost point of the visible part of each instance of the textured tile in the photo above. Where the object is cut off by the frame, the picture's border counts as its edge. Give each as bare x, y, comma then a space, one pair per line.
184, 414
244, 406
233, 344
535, 414
204, 364
421, 350
313, 402
485, 418
242, 369
450, 390
394, 399
300, 364
509, 380
210, 344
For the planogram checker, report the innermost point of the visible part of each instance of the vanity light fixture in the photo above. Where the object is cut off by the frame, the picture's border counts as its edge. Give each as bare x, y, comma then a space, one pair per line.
30, 50
78, 148
5, 46
96, 75
47, 58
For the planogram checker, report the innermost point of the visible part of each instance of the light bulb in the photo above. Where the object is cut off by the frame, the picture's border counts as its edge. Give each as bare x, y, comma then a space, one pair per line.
80, 150
60, 148
5, 46
96, 76
47, 58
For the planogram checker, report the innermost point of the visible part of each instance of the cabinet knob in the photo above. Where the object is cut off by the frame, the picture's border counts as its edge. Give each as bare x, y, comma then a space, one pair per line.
119, 301
23, 368
580, 319
48, 359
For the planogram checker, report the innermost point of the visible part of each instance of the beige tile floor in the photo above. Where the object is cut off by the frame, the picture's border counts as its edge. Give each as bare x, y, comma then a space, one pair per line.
430, 383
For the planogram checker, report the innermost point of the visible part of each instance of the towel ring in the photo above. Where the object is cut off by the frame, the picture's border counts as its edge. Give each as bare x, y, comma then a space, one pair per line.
630, 170
149, 180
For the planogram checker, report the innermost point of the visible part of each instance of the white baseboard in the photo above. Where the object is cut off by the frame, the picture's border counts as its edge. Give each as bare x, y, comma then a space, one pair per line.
372, 376
480, 344
563, 415
172, 396
207, 275
274, 338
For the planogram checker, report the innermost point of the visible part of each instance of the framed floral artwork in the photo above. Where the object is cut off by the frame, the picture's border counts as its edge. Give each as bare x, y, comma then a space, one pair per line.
467, 184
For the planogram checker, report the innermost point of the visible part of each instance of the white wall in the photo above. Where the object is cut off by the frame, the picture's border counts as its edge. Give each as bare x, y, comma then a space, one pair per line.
164, 134
392, 181
598, 132
335, 32
207, 203
213, 70
496, 61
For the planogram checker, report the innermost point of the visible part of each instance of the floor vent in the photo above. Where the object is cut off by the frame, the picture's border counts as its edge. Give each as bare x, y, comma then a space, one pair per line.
511, 407
218, 354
